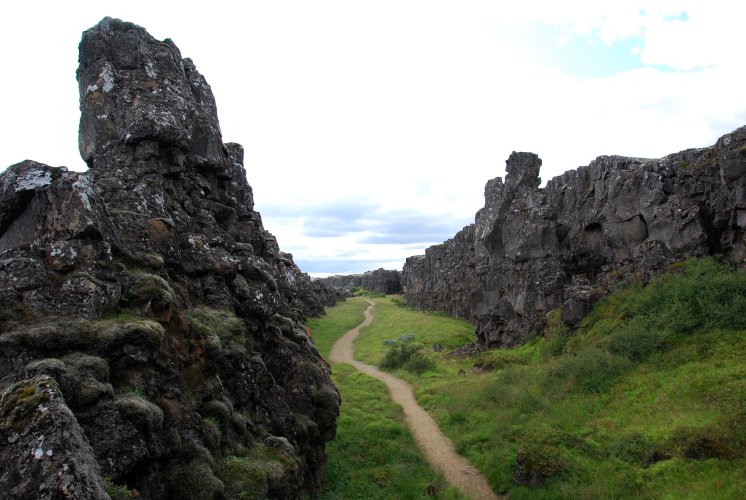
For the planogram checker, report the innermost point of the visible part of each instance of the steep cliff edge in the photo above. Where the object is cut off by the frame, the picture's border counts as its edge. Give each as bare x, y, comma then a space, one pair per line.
535, 250
145, 312
379, 280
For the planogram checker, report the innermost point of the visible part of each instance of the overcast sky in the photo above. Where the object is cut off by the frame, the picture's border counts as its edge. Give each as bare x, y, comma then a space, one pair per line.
371, 127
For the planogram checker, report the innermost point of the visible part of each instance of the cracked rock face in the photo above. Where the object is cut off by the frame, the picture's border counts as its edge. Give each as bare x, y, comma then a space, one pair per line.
380, 280
532, 251
146, 295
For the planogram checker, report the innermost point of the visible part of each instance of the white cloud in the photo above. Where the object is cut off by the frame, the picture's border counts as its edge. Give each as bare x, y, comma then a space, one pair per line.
409, 105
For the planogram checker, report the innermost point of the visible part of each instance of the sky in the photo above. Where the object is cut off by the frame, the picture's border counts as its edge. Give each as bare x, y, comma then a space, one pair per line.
371, 127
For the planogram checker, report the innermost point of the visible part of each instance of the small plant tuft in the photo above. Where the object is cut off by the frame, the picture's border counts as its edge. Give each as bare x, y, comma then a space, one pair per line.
119, 492
404, 353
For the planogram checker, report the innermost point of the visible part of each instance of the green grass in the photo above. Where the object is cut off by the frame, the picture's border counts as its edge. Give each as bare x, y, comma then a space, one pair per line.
392, 321
336, 322
647, 400
374, 456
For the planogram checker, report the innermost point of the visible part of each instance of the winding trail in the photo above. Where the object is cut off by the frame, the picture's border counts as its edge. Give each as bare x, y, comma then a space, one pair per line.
437, 448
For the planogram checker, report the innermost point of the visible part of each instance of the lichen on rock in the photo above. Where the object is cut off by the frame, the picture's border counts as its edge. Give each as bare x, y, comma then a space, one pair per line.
532, 250
144, 302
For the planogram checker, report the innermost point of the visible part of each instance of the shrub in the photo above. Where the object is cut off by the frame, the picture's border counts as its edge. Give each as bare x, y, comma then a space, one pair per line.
418, 363
399, 301
696, 296
403, 353
589, 370
633, 448
556, 333
696, 443
538, 462
117, 492
706, 295
636, 342
362, 292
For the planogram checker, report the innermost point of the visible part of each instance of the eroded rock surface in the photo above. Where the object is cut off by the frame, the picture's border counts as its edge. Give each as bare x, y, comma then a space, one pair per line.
535, 250
147, 297
380, 280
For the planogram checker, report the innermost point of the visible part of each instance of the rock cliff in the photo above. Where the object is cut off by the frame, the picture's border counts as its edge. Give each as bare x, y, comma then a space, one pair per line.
151, 329
532, 251
380, 280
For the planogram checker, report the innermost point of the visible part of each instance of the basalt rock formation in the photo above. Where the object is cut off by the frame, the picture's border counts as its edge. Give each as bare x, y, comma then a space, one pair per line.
380, 281
151, 330
326, 293
532, 251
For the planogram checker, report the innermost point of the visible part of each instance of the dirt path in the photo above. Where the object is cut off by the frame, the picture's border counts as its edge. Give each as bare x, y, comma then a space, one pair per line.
438, 449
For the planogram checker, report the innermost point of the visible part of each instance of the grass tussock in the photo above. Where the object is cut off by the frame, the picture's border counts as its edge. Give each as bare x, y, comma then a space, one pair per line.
404, 353
373, 454
646, 400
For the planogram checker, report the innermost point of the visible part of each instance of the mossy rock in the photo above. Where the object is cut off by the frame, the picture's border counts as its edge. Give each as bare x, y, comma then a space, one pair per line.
305, 426
193, 481
141, 332
254, 476
140, 411
243, 478
211, 433
20, 401
150, 293
205, 321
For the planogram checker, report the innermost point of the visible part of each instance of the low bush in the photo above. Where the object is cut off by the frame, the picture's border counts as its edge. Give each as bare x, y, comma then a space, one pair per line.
362, 292
694, 442
589, 370
556, 334
636, 342
538, 462
119, 492
633, 448
703, 294
404, 353
399, 301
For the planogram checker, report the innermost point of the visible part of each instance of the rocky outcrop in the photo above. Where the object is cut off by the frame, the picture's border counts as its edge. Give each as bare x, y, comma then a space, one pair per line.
380, 281
326, 293
342, 282
145, 312
441, 279
535, 250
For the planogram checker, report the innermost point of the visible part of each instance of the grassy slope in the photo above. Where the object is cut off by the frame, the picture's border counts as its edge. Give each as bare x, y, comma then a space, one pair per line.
373, 455
647, 400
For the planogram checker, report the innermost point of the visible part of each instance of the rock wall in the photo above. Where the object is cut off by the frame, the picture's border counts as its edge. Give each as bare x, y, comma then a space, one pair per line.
535, 250
145, 312
342, 282
326, 293
381, 281
441, 279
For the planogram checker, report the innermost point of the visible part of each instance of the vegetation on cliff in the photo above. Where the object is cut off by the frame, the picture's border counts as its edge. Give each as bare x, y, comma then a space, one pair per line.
646, 399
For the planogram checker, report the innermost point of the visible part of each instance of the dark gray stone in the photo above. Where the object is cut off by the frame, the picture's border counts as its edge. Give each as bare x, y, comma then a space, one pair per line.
380, 281
533, 250
147, 288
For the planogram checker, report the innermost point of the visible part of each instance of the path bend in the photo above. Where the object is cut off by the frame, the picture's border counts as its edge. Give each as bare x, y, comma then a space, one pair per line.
437, 448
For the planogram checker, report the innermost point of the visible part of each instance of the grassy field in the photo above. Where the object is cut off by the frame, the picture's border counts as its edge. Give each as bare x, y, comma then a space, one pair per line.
374, 455
647, 400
